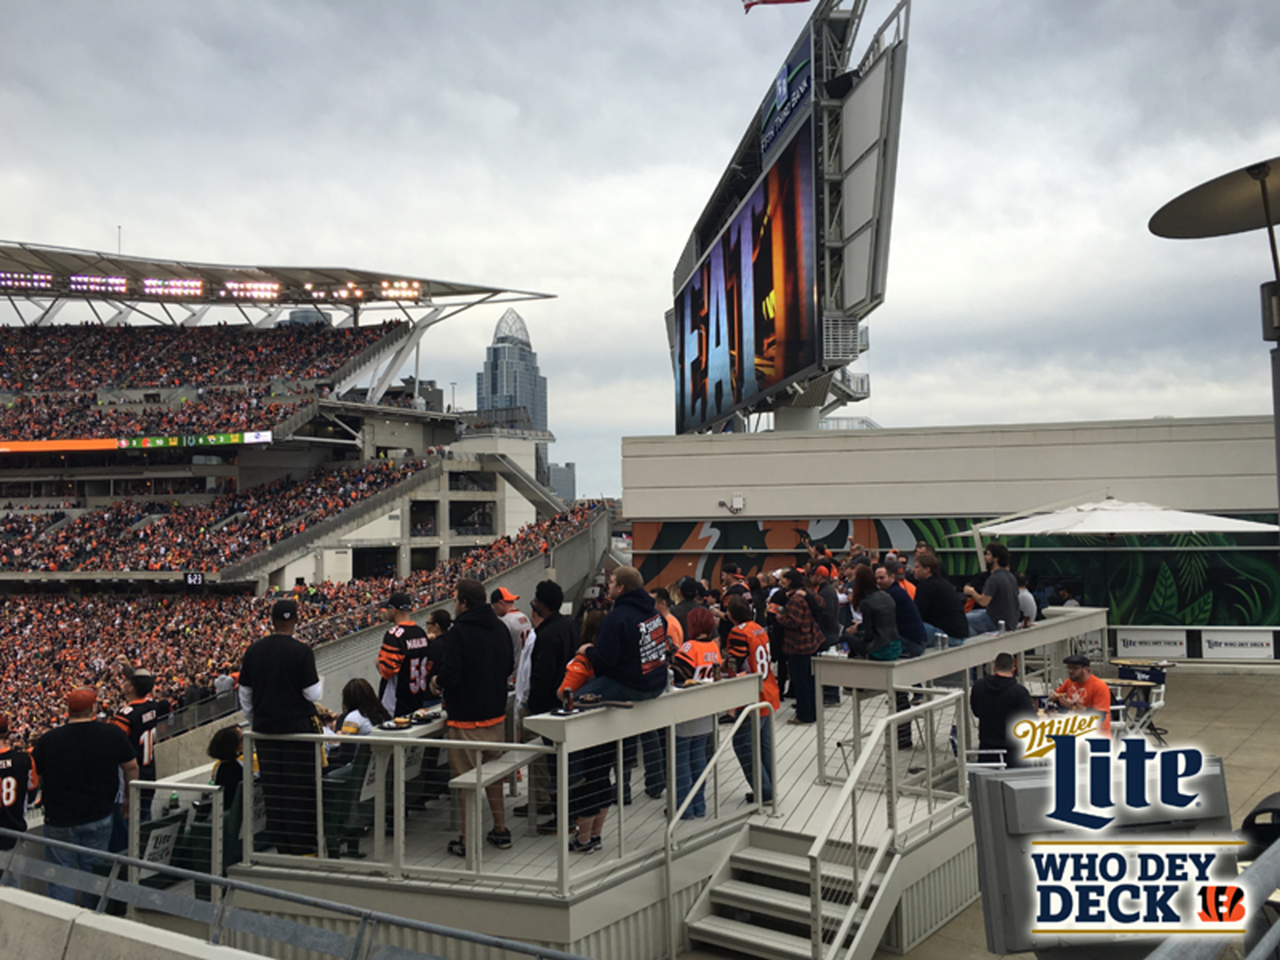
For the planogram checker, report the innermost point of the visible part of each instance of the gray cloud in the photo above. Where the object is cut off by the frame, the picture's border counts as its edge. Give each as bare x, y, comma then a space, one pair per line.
569, 146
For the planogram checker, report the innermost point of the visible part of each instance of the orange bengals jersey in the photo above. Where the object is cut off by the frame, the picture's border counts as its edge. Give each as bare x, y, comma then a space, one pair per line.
576, 673
696, 660
749, 643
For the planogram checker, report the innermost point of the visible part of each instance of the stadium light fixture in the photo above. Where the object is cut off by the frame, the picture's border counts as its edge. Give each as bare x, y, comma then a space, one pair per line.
154, 287
251, 290
91, 283
26, 281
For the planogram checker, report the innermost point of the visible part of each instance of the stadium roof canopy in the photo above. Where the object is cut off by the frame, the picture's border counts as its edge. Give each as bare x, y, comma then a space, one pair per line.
48, 277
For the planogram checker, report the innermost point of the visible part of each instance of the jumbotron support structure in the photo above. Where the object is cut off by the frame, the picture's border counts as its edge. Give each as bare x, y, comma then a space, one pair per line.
38, 283
808, 194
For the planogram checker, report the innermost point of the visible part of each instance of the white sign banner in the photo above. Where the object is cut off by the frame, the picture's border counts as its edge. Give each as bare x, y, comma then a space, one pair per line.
1151, 644
1237, 644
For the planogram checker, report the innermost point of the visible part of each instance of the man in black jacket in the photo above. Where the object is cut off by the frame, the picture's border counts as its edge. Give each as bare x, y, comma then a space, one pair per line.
555, 638
475, 662
940, 604
997, 700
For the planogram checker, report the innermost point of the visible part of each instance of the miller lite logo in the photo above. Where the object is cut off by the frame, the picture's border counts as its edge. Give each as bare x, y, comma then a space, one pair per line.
1096, 880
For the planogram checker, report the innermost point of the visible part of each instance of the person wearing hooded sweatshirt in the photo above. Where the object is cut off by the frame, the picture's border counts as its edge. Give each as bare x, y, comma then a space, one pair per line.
996, 700
629, 658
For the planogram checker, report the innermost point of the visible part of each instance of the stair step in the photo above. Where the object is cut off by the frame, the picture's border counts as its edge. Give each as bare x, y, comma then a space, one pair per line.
745, 938
794, 907
785, 866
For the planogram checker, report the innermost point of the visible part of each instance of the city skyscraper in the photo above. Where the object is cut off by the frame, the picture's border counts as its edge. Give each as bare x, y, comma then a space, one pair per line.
511, 379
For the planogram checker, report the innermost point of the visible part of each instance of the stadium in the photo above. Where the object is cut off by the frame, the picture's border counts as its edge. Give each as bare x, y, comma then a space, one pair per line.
183, 444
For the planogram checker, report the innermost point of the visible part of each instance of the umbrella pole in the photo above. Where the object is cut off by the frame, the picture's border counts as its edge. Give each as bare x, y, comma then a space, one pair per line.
1260, 172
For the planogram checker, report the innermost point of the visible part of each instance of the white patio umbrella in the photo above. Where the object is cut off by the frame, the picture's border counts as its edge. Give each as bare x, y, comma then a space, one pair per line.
1118, 518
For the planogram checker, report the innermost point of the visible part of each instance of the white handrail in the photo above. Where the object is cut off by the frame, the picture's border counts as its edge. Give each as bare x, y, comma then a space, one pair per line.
749, 710
866, 757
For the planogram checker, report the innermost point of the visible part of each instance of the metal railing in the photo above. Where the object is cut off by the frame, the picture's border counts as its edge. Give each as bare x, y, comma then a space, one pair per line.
197, 714
670, 847
223, 917
903, 799
1260, 879
393, 811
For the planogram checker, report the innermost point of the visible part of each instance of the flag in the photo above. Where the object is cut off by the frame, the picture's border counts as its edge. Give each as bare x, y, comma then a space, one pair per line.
748, 4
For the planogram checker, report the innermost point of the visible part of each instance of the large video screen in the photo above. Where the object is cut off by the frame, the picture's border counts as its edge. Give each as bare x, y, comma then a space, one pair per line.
746, 321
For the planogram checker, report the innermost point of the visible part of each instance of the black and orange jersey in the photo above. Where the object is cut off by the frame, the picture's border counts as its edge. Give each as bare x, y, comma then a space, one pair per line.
139, 719
405, 668
697, 660
18, 781
748, 646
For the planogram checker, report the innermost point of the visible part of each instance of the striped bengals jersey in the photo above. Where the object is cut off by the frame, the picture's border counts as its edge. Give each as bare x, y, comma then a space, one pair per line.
405, 669
748, 645
139, 719
697, 660
18, 781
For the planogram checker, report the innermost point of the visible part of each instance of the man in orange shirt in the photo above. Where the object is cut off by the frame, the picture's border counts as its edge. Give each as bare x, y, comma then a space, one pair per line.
1083, 691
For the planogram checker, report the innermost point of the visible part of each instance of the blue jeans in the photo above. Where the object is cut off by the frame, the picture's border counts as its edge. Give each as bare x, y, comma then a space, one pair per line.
691, 760
95, 836
980, 622
742, 747
655, 761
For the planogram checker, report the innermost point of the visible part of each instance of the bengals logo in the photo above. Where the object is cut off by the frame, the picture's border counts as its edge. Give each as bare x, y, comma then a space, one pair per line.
1221, 904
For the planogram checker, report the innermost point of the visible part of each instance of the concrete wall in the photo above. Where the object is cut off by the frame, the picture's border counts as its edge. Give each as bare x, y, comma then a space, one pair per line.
514, 511
385, 527
33, 927
1224, 464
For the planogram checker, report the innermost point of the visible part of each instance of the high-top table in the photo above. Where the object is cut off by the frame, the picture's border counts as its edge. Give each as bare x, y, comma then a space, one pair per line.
1061, 624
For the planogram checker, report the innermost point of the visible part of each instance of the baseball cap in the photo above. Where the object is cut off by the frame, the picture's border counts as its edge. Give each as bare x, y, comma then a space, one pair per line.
822, 570
81, 699
1077, 660
398, 601
502, 593
284, 610
140, 672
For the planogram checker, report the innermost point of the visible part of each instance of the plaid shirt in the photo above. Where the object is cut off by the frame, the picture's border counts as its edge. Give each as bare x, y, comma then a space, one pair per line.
801, 634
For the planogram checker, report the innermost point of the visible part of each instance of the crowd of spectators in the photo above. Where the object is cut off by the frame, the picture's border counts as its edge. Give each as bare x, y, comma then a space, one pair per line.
51, 643
86, 358
203, 537
50, 416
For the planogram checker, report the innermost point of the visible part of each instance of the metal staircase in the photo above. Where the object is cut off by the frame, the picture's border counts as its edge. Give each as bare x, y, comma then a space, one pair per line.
762, 905
544, 501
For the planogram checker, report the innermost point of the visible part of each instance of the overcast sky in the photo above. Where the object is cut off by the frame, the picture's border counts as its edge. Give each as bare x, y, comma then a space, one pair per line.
568, 147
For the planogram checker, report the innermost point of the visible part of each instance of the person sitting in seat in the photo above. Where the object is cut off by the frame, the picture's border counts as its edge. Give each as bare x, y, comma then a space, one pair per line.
361, 712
